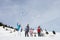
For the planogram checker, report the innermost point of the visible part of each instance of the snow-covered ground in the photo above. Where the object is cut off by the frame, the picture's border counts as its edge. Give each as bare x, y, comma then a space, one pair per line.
6, 35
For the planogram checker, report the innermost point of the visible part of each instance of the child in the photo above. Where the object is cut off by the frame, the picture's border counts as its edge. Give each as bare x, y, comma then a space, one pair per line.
34, 34
31, 32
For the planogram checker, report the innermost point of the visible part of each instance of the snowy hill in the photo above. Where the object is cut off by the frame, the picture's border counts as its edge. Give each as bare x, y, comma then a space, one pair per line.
6, 35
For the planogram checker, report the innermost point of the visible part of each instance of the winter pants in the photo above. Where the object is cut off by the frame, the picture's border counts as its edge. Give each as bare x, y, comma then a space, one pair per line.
39, 34
26, 34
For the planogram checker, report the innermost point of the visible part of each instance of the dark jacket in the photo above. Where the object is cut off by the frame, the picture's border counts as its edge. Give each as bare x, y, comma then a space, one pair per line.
27, 29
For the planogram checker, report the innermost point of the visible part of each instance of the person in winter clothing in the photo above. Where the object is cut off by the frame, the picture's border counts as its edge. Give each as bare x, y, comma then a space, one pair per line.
31, 32
34, 34
18, 27
27, 30
39, 31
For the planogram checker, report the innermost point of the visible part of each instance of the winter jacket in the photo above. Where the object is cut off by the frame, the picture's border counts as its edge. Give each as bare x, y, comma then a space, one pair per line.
27, 29
38, 30
18, 27
31, 31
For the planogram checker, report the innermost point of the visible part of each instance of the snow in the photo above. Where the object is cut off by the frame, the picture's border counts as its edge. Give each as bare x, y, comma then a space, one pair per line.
6, 35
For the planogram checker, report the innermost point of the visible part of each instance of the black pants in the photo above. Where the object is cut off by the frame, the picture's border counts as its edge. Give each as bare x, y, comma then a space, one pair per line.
39, 34
26, 34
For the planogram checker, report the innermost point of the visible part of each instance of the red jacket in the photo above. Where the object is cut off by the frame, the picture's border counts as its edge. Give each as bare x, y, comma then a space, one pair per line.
38, 30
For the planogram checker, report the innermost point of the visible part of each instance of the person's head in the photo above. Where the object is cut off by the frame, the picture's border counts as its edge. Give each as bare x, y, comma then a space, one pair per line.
27, 24
38, 26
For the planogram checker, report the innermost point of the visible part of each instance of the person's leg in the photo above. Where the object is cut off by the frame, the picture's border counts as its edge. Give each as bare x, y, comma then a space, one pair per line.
25, 34
38, 33
30, 34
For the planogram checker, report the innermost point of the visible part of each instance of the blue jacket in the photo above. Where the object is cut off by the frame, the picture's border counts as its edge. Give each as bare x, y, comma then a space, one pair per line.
18, 27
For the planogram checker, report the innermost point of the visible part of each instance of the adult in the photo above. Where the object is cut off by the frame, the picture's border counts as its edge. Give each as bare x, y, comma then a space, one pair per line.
39, 31
18, 27
27, 30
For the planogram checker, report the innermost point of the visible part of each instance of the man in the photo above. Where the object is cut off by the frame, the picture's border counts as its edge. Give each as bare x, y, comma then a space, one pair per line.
27, 30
